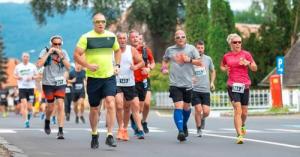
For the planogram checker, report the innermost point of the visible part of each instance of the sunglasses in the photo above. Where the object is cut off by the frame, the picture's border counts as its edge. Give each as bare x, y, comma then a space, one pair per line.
236, 42
99, 21
56, 44
180, 37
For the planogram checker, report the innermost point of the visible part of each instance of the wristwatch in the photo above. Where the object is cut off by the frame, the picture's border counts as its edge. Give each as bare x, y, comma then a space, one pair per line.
118, 65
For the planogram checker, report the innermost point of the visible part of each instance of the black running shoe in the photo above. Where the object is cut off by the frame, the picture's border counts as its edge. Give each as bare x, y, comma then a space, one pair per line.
145, 127
95, 142
60, 135
110, 141
82, 119
132, 123
186, 131
77, 120
199, 132
47, 127
181, 136
202, 123
68, 117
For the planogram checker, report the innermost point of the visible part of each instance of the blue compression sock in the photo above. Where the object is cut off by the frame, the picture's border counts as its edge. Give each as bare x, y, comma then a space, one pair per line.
186, 116
178, 119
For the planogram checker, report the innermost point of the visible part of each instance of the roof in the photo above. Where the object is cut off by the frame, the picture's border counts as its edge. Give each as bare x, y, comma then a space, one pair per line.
11, 81
291, 77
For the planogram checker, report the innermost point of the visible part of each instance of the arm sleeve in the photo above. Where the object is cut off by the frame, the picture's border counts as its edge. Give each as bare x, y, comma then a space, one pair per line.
116, 45
166, 56
82, 42
249, 57
150, 55
211, 65
195, 53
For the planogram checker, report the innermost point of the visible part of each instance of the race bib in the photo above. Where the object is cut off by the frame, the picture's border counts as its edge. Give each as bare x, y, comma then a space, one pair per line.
238, 87
124, 80
60, 80
78, 86
145, 82
3, 96
201, 71
68, 90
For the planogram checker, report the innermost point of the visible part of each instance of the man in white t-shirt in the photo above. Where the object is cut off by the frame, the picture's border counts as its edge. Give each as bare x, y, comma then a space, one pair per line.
26, 73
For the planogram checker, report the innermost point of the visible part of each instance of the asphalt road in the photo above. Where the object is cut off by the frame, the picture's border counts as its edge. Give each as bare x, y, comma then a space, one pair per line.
266, 136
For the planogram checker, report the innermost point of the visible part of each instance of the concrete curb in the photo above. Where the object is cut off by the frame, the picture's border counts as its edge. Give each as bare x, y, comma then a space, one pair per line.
230, 114
12, 151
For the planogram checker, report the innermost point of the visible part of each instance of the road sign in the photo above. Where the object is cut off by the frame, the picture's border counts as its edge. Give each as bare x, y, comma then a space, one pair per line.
280, 65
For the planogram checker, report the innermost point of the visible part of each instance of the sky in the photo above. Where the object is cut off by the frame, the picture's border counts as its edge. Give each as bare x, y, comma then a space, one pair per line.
236, 5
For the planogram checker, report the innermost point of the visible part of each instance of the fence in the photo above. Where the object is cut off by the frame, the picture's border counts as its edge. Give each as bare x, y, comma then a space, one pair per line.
258, 100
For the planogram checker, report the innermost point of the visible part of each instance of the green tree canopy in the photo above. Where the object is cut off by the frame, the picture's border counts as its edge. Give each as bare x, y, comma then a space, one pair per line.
3, 61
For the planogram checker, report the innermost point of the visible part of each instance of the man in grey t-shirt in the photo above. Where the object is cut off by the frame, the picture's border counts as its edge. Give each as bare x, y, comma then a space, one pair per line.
202, 86
181, 57
56, 63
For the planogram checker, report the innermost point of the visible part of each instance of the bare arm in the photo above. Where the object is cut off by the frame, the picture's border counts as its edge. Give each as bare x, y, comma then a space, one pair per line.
137, 59
118, 56
212, 79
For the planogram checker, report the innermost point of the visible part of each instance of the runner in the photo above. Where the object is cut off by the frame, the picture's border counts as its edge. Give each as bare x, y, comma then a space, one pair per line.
182, 57
202, 85
3, 100
126, 89
236, 64
26, 73
56, 62
142, 81
69, 95
77, 76
99, 46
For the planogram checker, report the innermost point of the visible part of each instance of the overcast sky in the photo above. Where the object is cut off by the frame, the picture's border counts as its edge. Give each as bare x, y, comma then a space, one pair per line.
235, 4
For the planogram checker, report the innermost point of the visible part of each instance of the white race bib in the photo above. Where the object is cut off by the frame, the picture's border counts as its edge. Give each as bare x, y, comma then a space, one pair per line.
200, 71
238, 87
124, 80
3, 96
78, 86
60, 80
68, 90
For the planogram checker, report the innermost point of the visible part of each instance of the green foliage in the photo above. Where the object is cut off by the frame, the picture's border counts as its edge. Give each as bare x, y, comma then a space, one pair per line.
248, 17
279, 110
221, 24
3, 61
41, 9
197, 20
159, 82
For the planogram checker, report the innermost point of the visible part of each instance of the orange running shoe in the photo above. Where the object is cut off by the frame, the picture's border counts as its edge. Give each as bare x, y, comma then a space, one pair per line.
120, 134
125, 135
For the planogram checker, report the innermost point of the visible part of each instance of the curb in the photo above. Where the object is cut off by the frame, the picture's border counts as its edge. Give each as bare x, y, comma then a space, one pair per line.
11, 150
230, 114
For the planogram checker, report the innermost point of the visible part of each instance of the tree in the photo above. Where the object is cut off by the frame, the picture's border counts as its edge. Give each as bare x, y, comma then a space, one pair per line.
40, 9
221, 24
283, 23
295, 18
161, 19
197, 20
3, 61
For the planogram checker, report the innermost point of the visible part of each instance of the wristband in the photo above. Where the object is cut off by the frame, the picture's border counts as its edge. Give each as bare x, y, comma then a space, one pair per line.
191, 60
118, 65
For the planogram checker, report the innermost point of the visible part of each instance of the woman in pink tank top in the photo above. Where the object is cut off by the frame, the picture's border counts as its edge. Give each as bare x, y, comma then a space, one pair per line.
236, 64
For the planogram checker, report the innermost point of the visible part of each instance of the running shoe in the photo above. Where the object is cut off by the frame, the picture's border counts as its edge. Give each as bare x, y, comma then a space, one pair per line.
29, 115
140, 134
47, 127
132, 123
199, 132
95, 142
181, 136
243, 129
53, 120
27, 125
202, 123
4, 114
186, 131
120, 134
77, 120
68, 117
60, 135
125, 135
145, 127
110, 141
82, 119
240, 139
42, 116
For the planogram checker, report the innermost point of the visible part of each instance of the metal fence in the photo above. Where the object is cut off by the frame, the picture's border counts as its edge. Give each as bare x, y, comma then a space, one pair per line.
258, 100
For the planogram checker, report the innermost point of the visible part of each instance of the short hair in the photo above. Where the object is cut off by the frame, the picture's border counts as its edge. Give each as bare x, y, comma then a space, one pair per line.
133, 31
25, 54
119, 33
231, 36
97, 13
200, 42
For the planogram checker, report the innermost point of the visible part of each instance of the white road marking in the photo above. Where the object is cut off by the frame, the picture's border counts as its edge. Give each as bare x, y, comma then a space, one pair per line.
163, 115
5, 131
286, 130
257, 141
248, 130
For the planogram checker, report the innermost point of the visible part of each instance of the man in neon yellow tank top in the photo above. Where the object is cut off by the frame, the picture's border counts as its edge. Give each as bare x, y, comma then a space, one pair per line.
99, 46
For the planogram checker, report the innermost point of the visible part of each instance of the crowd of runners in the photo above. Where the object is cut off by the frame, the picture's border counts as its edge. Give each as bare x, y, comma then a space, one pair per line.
113, 72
